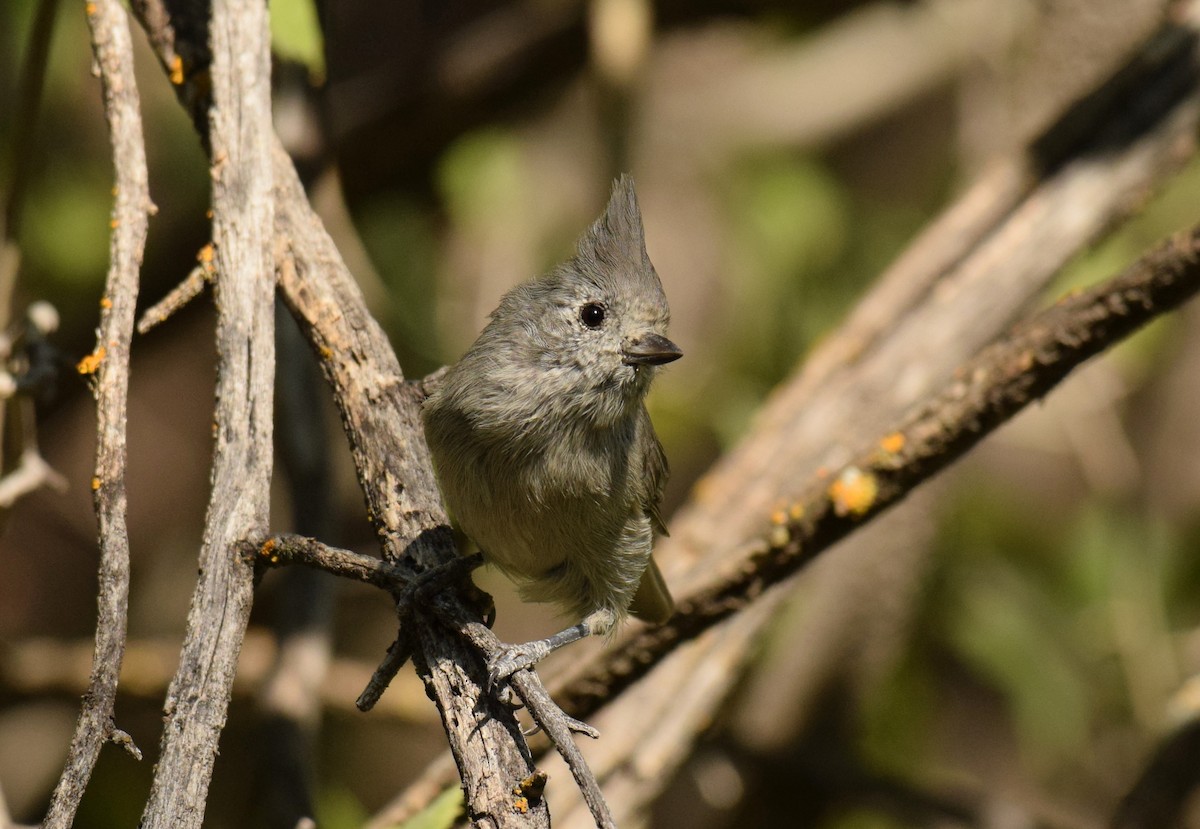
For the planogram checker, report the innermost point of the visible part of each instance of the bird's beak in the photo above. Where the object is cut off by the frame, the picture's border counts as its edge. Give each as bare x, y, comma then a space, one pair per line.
650, 350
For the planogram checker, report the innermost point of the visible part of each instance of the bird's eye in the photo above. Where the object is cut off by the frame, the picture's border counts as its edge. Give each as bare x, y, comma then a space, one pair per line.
592, 314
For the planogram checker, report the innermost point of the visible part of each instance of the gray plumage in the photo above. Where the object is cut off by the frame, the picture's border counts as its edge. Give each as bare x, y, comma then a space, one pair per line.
540, 438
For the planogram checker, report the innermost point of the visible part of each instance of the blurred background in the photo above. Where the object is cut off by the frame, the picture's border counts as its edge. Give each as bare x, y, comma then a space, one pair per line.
1041, 636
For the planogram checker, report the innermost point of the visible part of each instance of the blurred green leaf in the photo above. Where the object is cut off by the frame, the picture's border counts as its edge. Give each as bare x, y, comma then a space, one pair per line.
338, 808
440, 814
66, 227
480, 176
1005, 630
401, 240
897, 715
296, 34
865, 819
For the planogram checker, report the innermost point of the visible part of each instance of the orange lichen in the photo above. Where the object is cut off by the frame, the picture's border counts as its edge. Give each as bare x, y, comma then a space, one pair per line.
105, 302
893, 443
176, 70
796, 511
95, 483
91, 362
532, 786
267, 551
854, 491
205, 256
89, 8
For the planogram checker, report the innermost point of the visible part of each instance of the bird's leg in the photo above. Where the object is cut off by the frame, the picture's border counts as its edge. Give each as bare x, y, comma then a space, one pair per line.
512, 658
439, 578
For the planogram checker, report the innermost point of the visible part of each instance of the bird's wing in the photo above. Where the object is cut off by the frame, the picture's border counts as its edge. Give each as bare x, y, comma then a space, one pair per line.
652, 602
655, 474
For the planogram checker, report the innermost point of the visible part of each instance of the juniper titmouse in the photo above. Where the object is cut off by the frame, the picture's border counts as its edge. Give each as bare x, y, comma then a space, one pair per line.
542, 445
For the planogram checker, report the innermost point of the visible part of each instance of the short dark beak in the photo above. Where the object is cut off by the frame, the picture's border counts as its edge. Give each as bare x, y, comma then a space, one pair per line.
650, 350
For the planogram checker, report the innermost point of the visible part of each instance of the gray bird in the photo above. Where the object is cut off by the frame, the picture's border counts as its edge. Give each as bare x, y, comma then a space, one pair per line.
541, 442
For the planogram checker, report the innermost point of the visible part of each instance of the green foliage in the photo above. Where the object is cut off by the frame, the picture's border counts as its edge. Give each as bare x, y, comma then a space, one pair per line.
442, 813
338, 808
789, 221
480, 177
66, 227
865, 819
399, 236
296, 34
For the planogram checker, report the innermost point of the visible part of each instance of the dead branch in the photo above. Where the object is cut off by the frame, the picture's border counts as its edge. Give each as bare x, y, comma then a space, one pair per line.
240, 136
113, 49
394, 472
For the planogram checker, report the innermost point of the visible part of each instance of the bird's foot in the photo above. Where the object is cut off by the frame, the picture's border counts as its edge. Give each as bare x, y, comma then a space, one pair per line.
512, 658
437, 579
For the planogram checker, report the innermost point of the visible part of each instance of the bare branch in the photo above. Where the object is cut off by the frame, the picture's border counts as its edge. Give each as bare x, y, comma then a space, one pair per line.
113, 49
32, 472
191, 287
243, 221
394, 471
294, 549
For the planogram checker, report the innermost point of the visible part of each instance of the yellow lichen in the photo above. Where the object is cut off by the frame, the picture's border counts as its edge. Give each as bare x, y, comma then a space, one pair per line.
90, 363
854, 492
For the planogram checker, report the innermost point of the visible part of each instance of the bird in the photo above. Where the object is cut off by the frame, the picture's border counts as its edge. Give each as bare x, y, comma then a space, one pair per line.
541, 443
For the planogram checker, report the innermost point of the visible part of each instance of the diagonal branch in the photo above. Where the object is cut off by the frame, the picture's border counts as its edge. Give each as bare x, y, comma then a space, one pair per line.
395, 474
1018, 369
113, 49
958, 285
243, 224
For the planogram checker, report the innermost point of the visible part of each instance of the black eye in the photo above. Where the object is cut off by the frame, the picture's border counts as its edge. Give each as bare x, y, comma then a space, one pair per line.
592, 314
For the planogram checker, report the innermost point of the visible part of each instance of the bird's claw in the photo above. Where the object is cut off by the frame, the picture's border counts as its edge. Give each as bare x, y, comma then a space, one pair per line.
512, 658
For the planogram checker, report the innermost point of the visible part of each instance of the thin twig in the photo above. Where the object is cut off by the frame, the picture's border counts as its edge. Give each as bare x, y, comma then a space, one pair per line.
113, 49
191, 287
32, 472
240, 136
394, 576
